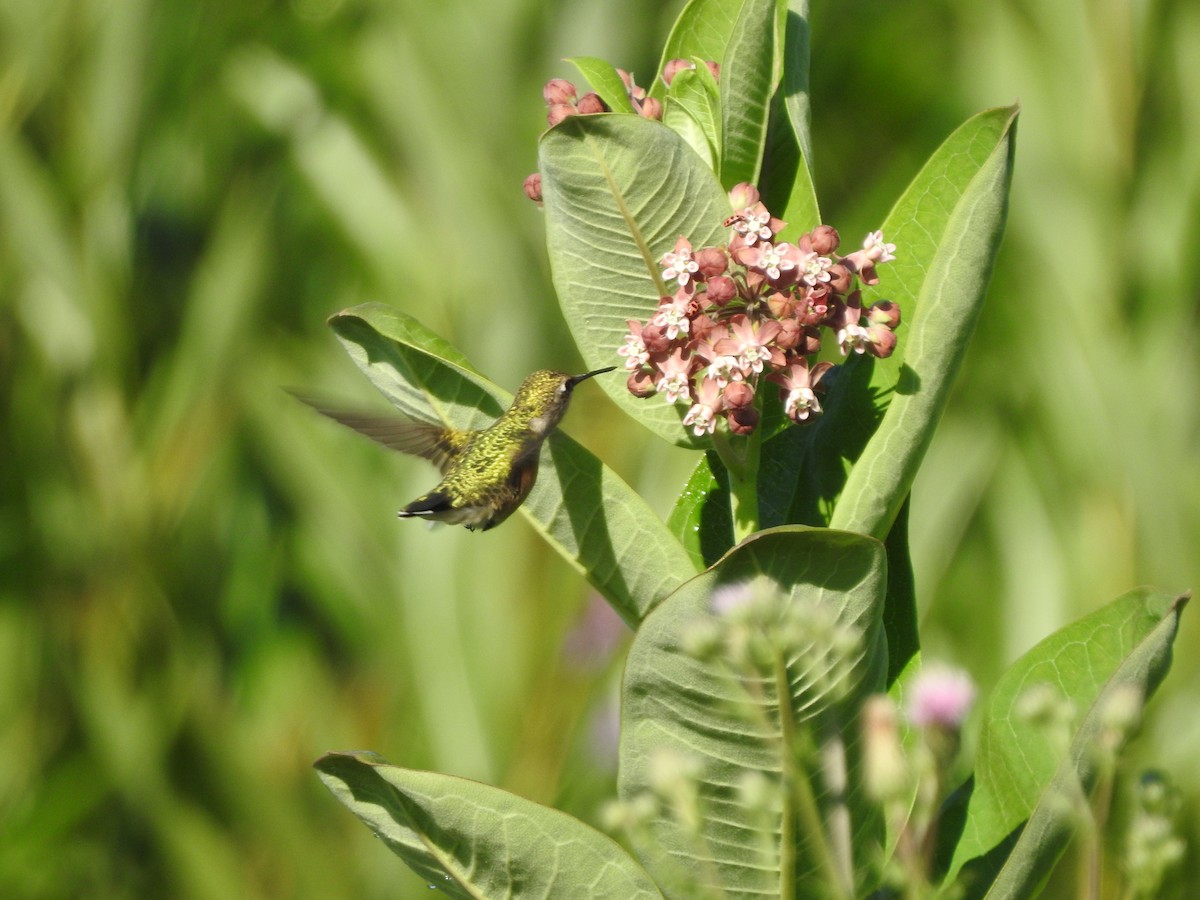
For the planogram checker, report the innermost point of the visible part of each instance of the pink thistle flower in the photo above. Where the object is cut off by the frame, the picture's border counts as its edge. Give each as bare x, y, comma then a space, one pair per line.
678, 263
675, 375
750, 345
703, 414
940, 696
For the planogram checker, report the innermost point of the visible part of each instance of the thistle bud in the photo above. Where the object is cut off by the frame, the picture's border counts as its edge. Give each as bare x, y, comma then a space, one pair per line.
558, 91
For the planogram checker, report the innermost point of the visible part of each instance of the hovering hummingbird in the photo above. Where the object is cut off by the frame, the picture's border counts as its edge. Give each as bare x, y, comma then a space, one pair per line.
486, 473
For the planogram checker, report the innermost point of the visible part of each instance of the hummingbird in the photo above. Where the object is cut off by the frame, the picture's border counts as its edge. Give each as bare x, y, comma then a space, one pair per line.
486, 473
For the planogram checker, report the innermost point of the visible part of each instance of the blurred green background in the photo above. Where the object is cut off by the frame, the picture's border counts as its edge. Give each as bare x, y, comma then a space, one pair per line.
205, 586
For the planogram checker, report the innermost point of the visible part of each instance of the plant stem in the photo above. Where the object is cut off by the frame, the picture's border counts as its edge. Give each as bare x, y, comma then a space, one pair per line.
798, 790
833, 767
742, 467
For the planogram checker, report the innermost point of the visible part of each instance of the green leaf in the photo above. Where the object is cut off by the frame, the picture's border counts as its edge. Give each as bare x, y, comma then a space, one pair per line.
953, 219
701, 32
702, 518
605, 81
1020, 778
749, 75
693, 107
619, 191
786, 184
470, 840
703, 711
581, 507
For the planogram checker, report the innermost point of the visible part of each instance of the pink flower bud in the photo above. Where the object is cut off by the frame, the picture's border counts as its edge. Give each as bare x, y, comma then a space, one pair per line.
840, 278
712, 261
742, 195
590, 104
824, 239
882, 341
791, 333
558, 91
703, 326
655, 340
885, 312
641, 384
782, 304
558, 112
738, 394
720, 289
742, 420
715, 68
533, 187
652, 108
673, 68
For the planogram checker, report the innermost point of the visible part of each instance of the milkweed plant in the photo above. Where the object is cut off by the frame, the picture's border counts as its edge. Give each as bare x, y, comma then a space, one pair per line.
780, 735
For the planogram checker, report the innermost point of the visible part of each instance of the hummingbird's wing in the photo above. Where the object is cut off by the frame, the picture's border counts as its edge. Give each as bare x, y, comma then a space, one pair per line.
436, 443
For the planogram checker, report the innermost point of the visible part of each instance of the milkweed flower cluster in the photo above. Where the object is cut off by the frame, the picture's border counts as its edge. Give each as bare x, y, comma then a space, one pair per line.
754, 310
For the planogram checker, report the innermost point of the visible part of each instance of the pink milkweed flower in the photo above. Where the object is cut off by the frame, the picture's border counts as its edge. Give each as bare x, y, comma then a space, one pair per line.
875, 251
634, 349
814, 269
678, 263
675, 375
797, 382
775, 261
673, 313
752, 346
703, 414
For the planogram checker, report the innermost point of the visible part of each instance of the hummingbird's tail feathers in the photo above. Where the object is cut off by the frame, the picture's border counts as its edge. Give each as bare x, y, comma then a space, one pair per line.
436, 443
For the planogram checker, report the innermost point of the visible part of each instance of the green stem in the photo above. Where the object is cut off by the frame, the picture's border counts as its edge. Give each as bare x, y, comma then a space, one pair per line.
740, 457
798, 791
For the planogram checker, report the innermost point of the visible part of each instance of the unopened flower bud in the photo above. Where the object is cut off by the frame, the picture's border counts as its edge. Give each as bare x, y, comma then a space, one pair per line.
720, 289
742, 420
712, 261
790, 334
641, 384
673, 68
742, 195
782, 304
655, 339
886, 313
651, 108
703, 326
558, 91
824, 239
558, 112
840, 278
533, 187
881, 341
738, 394
715, 68
590, 103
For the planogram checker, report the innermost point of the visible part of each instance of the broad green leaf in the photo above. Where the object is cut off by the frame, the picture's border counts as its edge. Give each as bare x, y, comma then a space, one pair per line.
1025, 786
582, 508
605, 81
749, 76
702, 519
953, 270
619, 191
701, 31
693, 108
786, 183
471, 840
731, 728
900, 623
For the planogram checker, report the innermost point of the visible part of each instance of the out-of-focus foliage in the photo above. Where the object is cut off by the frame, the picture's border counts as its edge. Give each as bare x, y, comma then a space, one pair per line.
203, 587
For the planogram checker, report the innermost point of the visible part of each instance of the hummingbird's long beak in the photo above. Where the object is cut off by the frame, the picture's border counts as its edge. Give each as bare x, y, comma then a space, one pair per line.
575, 379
